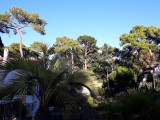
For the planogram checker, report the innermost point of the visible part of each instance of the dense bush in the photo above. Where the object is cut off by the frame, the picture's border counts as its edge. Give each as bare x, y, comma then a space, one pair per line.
133, 105
123, 78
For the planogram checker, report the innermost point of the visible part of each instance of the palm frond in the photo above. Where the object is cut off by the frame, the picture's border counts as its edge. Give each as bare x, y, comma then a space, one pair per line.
52, 77
16, 84
70, 103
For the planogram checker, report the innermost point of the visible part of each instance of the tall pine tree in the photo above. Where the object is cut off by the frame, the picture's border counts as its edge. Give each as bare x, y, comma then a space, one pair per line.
89, 48
17, 18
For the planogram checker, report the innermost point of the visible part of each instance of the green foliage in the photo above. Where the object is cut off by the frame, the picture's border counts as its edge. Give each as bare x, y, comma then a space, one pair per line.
136, 47
14, 50
89, 49
94, 83
134, 105
68, 48
53, 78
124, 73
4, 20
16, 17
37, 46
89, 43
65, 46
104, 59
124, 78
42, 49
87, 40
59, 82
112, 75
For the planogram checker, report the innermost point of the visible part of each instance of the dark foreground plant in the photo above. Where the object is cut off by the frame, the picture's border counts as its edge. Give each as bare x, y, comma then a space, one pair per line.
133, 105
44, 79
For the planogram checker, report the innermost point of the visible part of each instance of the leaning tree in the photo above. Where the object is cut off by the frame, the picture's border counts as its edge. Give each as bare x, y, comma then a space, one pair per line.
17, 19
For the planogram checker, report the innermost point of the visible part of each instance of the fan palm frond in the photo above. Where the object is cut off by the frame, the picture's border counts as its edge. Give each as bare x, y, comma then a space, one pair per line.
54, 78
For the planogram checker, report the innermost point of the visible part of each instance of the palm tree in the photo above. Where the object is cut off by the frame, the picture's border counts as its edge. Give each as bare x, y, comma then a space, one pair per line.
51, 77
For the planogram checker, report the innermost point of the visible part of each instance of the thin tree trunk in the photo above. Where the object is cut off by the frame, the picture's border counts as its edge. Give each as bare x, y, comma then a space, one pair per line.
72, 57
85, 64
66, 55
85, 60
151, 55
20, 40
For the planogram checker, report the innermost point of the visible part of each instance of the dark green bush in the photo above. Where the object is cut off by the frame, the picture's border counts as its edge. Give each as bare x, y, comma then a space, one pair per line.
133, 105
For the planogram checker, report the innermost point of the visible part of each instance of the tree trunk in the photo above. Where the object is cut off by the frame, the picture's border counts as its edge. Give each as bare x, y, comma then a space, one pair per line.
20, 39
72, 57
42, 114
85, 64
85, 60
66, 55
151, 55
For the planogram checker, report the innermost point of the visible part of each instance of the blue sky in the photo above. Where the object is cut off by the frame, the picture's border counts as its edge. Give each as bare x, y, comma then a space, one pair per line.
105, 20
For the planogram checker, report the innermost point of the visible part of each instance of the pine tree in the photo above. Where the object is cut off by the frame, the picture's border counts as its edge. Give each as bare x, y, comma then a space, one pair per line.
138, 44
17, 19
68, 46
89, 48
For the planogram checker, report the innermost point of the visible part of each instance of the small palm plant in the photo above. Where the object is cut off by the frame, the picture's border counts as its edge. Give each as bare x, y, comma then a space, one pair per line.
52, 78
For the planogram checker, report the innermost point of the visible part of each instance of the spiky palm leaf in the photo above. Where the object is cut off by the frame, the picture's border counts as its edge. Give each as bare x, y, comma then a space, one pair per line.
26, 74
